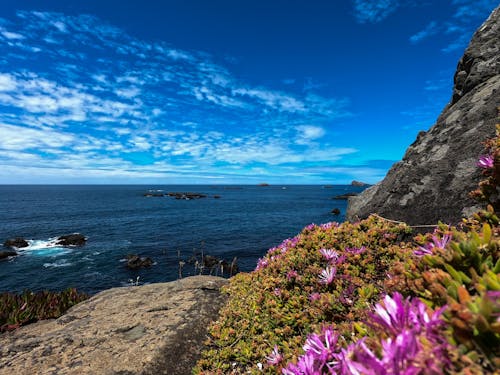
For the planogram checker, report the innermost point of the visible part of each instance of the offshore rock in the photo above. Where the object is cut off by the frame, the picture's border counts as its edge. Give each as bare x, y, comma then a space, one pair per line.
134, 261
74, 239
7, 253
151, 329
438, 171
17, 242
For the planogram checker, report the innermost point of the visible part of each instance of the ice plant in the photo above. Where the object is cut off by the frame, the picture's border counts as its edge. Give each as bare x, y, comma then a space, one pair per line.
291, 275
428, 249
355, 250
329, 254
327, 275
413, 344
486, 162
275, 357
314, 297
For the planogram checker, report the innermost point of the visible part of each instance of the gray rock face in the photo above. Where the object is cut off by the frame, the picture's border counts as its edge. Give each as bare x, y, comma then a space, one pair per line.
439, 169
151, 329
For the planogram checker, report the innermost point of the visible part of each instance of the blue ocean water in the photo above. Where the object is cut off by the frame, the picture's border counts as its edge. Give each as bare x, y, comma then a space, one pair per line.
118, 220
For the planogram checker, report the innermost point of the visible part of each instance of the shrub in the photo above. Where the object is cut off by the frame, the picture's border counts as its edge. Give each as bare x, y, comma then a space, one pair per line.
28, 307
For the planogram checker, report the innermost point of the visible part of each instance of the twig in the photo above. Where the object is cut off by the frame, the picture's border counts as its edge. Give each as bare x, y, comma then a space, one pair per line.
402, 222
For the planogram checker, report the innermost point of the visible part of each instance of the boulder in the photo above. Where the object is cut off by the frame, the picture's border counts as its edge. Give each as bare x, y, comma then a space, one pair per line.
134, 261
336, 211
438, 170
151, 329
358, 183
17, 242
7, 253
74, 239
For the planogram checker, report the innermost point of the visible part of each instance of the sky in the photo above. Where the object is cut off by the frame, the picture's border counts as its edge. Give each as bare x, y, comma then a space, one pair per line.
222, 92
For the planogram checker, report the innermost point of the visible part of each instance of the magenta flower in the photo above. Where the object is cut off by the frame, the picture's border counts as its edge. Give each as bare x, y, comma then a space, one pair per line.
428, 249
327, 275
330, 225
414, 344
275, 357
329, 254
486, 162
291, 275
322, 346
355, 250
261, 264
314, 297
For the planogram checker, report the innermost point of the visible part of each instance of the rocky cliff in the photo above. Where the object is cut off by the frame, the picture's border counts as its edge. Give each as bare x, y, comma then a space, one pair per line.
150, 329
432, 181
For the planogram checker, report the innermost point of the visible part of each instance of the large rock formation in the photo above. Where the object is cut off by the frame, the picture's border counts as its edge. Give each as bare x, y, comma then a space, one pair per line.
439, 169
150, 329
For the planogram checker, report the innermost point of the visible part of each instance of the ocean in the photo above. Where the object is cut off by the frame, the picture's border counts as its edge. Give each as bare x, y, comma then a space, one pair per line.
118, 220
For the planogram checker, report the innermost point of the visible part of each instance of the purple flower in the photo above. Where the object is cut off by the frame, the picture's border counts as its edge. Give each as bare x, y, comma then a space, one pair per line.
277, 292
332, 224
261, 264
275, 357
413, 342
486, 162
322, 346
329, 254
314, 297
355, 250
292, 274
311, 226
327, 275
428, 249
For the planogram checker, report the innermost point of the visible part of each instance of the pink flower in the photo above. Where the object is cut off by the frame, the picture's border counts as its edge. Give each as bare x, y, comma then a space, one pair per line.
275, 357
314, 297
292, 274
355, 250
277, 292
428, 249
486, 162
327, 275
329, 254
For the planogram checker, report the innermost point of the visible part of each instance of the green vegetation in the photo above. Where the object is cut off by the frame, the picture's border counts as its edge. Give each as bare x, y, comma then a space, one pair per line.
28, 307
323, 286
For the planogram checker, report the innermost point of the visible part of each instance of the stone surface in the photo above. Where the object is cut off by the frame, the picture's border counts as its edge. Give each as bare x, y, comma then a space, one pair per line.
74, 239
17, 242
7, 253
151, 329
134, 262
439, 169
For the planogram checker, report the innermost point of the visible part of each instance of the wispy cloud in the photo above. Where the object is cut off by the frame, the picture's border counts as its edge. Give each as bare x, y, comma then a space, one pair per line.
431, 29
373, 11
78, 94
459, 27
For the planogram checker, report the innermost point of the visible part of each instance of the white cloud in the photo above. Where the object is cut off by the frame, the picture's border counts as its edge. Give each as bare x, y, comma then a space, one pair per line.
308, 133
12, 36
373, 11
429, 30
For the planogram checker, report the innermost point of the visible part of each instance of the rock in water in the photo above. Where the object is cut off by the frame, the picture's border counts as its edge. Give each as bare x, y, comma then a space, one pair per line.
151, 329
7, 253
16, 242
438, 171
134, 261
75, 239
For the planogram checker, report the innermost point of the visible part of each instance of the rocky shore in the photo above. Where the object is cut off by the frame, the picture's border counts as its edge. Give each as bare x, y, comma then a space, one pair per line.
151, 329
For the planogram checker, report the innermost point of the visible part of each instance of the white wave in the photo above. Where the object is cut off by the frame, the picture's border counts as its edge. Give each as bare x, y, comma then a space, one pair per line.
58, 263
43, 247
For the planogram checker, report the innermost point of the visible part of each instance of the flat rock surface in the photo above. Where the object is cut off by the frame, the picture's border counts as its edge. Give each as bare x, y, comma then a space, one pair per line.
151, 329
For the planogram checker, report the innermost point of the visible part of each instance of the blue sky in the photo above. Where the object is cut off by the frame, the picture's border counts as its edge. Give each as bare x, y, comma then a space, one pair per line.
222, 92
